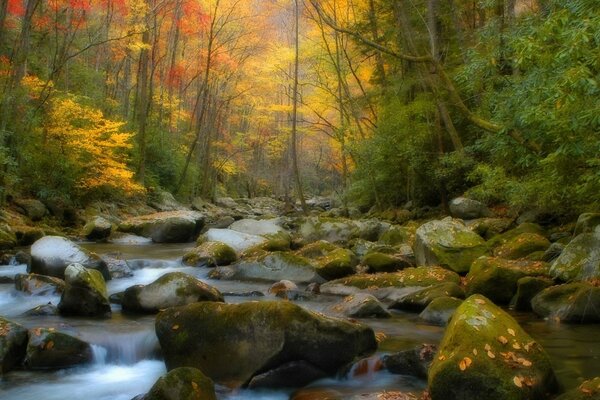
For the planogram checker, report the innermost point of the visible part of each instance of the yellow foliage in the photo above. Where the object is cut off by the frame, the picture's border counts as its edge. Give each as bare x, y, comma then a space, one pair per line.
92, 143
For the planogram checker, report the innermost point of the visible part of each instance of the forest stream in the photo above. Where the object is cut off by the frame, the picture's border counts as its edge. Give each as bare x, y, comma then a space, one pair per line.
127, 358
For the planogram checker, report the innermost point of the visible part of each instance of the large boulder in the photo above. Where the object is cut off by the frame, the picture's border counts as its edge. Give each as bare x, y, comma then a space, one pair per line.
376, 261
98, 228
85, 293
231, 343
13, 342
577, 302
166, 227
361, 305
170, 290
239, 241
182, 384
340, 230
440, 310
271, 267
210, 254
336, 264
486, 354
527, 288
448, 243
580, 259
588, 390
412, 362
39, 285
34, 209
497, 278
587, 223
487, 228
48, 349
257, 227
417, 300
52, 254
521, 246
465, 208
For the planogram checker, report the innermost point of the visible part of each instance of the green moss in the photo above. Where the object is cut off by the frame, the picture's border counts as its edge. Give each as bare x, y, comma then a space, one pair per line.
513, 233
382, 262
521, 246
417, 301
183, 384
421, 276
397, 235
336, 264
588, 390
317, 249
210, 254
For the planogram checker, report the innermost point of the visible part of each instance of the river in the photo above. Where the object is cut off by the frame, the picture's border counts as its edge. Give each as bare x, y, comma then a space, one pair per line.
127, 354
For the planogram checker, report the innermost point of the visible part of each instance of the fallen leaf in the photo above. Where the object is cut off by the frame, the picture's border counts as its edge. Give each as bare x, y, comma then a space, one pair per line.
194, 386
516, 346
464, 363
502, 339
491, 355
175, 327
487, 347
480, 301
475, 352
442, 358
517, 380
49, 345
511, 331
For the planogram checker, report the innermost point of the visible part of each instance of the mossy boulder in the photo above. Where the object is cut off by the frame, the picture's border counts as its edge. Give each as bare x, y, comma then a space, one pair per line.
361, 305
383, 262
412, 362
294, 374
396, 235
166, 227
340, 230
39, 285
336, 264
281, 241
51, 255
526, 227
85, 293
8, 239
486, 354
210, 254
258, 227
465, 208
32, 208
28, 235
49, 349
487, 228
273, 267
576, 302
231, 343
416, 301
527, 288
182, 384
440, 310
588, 390
521, 246
497, 278
13, 342
98, 228
42, 310
317, 249
587, 223
448, 243
170, 290
420, 276
238, 241
580, 259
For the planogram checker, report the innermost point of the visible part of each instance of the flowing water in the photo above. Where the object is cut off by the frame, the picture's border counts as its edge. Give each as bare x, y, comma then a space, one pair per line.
127, 354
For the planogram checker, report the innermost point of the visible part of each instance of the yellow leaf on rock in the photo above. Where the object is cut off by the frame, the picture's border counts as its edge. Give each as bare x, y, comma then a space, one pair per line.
511, 331
518, 381
464, 363
502, 339
491, 355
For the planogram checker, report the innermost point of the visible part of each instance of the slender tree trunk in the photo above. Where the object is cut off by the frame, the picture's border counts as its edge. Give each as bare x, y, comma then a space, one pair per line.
3, 12
143, 104
379, 65
295, 167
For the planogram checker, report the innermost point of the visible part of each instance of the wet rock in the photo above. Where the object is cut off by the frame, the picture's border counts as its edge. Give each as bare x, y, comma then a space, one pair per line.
210, 254
553, 252
527, 288
271, 267
414, 362
361, 305
226, 202
487, 228
580, 260
39, 285
440, 310
85, 293
587, 223
465, 208
281, 241
486, 353
231, 343
13, 342
239, 241
282, 288
588, 390
577, 302
417, 300
117, 267
128, 239
42, 310
448, 243
396, 235
258, 227
507, 236
27, 235
34, 209
182, 384
165, 201
383, 262
336, 264
48, 349
166, 227
339, 230
421, 276
320, 248
497, 279
294, 374
170, 290
97, 229
22, 257
521, 246
63, 210
52, 254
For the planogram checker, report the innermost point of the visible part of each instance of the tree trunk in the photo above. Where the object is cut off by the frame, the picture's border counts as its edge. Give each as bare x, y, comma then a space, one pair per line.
143, 104
295, 167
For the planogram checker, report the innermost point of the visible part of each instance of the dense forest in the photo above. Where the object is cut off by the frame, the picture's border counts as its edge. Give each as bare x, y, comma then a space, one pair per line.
382, 102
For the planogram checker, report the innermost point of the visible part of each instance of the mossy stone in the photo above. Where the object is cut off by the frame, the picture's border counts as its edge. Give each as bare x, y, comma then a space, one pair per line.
440, 310
85, 293
13, 342
182, 384
580, 259
317, 249
417, 301
336, 264
577, 302
526, 227
48, 349
210, 254
420, 276
521, 246
588, 390
382, 262
8, 239
397, 235
527, 288
486, 354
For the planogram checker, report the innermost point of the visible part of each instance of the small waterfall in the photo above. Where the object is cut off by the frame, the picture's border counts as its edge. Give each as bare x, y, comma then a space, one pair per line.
125, 348
366, 367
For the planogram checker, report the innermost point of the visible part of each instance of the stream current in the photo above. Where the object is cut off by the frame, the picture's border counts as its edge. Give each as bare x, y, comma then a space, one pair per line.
127, 358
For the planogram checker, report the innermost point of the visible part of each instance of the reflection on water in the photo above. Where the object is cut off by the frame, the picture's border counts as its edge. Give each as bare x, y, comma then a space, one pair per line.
126, 347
